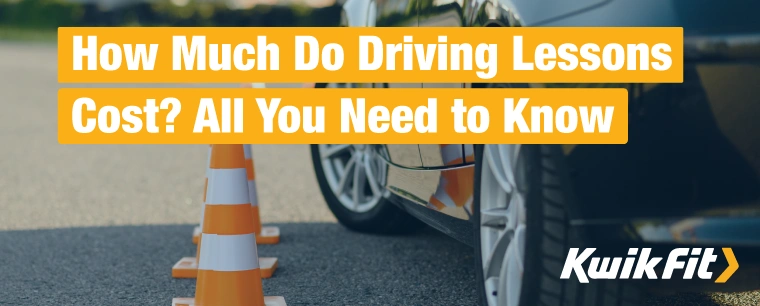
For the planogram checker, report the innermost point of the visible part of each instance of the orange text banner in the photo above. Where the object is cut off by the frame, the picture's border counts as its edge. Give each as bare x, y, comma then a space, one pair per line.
350, 116
405, 55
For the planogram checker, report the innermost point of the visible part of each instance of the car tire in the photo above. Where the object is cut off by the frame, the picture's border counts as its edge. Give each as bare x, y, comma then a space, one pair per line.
383, 218
547, 238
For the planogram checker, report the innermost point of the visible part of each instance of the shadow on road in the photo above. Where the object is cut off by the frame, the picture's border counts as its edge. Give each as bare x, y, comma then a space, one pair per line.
320, 264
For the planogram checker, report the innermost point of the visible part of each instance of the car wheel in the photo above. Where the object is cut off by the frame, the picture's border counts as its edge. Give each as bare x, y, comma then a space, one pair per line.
352, 180
522, 234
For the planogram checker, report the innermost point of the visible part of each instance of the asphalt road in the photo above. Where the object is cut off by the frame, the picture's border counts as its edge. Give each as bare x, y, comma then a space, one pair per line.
102, 225
320, 264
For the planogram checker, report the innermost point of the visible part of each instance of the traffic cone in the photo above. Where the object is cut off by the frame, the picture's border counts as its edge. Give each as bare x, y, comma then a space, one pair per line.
197, 229
455, 185
264, 234
228, 272
228, 192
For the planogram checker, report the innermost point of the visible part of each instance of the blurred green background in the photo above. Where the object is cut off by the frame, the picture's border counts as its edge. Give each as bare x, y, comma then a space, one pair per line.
39, 19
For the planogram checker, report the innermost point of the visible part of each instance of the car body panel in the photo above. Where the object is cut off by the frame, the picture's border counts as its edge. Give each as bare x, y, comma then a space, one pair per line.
397, 13
442, 156
431, 155
428, 188
541, 11
697, 17
690, 172
447, 189
359, 13
387, 13
406, 156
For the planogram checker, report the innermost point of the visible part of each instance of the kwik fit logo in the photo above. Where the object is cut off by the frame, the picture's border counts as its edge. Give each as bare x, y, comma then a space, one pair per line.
693, 261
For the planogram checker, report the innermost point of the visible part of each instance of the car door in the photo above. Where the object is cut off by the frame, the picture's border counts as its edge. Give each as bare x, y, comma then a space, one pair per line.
442, 14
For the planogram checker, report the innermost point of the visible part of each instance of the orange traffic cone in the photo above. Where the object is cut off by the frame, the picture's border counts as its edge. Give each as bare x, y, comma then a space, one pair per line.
455, 186
228, 272
264, 234
197, 229
229, 191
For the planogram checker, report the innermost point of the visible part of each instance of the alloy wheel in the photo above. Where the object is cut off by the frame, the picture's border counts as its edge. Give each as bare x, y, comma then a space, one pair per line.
502, 223
355, 173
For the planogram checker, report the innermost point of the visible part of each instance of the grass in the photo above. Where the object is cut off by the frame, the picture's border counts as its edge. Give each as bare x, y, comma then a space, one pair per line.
35, 35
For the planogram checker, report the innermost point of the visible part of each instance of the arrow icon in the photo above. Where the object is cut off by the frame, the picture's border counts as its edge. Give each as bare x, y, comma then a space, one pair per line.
733, 265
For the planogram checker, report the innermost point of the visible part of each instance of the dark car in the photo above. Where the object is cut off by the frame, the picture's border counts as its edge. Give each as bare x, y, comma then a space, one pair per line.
687, 177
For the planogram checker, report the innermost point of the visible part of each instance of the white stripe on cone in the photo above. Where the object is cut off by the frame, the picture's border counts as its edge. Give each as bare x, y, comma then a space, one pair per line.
224, 187
228, 253
252, 194
450, 153
443, 196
